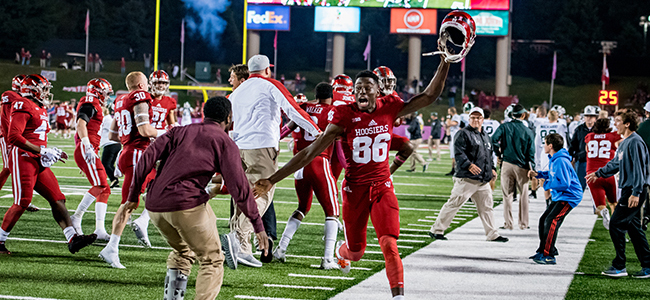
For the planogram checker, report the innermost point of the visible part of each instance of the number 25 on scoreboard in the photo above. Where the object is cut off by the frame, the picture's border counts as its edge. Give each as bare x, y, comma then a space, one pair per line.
608, 97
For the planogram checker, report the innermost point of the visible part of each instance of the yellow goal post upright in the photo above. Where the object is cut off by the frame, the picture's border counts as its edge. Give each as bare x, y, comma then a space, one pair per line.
204, 89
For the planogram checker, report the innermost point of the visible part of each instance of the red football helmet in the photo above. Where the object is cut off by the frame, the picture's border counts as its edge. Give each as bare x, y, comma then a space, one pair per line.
38, 88
459, 28
342, 83
16, 82
99, 88
159, 81
300, 98
387, 80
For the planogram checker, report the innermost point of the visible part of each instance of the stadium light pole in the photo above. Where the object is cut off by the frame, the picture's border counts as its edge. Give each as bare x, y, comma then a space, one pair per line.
644, 22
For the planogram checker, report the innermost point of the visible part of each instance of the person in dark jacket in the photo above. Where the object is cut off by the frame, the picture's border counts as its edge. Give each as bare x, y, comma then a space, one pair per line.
577, 148
434, 137
474, 170
514, 144
566, 194
644, 132
416, 139
632, 162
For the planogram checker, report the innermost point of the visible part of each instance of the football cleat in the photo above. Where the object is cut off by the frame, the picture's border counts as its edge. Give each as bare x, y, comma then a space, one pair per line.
141, 233
230, 246
3, 249
280, 255
328, 264
76, 223
109, 255
32, 208
78, 242
344, 264
102, 235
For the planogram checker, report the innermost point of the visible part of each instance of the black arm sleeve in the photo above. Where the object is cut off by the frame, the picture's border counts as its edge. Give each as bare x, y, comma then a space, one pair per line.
86, 112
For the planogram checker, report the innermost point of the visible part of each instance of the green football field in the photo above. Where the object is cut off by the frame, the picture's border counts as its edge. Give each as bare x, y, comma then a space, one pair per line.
41, 266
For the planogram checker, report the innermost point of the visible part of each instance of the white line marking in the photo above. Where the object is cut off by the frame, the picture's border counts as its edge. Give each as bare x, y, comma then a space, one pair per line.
413, 235
299, 287
412, 229
398, 246
319, 257
420, 225
353, 268
320, 276
376, 252
25, 298
406, 241
262, 298
426, 220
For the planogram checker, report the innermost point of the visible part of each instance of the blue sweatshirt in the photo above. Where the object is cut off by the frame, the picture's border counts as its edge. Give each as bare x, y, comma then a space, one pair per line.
632, 161
562, 179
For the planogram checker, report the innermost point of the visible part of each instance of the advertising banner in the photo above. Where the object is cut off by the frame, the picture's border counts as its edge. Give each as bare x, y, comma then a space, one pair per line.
493, 23
337, 19
268, 17
413, 21
439, 4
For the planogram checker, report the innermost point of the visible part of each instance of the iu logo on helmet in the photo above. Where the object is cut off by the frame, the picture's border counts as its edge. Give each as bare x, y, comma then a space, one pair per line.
413, 19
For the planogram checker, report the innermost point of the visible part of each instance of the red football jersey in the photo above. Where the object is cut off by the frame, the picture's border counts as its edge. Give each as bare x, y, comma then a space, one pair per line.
366, 138
38, 125
318, 113
62, 112
8, 99
161, 109
342, 98
600, 148
94, 125
125, 117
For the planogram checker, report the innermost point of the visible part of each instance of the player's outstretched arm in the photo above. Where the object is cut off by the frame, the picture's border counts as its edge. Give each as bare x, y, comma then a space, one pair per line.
141, 111
299, 160
431, 93
112, 131
401, 156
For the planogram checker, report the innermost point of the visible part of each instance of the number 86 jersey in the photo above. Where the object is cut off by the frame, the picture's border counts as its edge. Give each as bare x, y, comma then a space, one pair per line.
366, 138
125, 119
600, 149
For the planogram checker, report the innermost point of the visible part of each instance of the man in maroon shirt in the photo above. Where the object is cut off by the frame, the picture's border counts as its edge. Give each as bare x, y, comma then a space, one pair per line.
177, 200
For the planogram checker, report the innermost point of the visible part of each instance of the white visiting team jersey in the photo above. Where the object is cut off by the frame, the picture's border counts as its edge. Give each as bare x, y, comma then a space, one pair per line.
465, 119
490, 126
541, 131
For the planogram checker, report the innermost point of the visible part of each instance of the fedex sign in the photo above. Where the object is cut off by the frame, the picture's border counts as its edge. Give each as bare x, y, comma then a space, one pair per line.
264, 17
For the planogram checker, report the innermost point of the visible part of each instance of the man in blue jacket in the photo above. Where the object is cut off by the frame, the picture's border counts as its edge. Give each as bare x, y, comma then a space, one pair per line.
566, 193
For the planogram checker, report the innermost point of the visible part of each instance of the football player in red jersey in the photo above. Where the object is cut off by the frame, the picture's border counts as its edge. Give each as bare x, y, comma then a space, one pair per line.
31, 160
89, 124
601, 148
366, 127
164, 107
401, 144
314, 178
63, 110
131, 126
342, 87
8, 99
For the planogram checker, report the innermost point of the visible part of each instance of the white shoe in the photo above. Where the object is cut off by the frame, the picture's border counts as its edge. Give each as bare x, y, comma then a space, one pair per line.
280, 255
344, 264
605, 214
328, 264
141, 233
102, 235
76, 223
109, 255
249, 260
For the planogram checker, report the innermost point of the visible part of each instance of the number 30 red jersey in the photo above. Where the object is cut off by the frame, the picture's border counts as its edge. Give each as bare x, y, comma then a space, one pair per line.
318, 113
366, 138
37, 126
94, 126
125, 117
161, 109
600, 148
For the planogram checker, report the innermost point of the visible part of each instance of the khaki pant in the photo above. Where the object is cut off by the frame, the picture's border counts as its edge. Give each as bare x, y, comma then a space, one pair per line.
193, 235
431, 143
258, 164
481, 194
513, 175
415, 155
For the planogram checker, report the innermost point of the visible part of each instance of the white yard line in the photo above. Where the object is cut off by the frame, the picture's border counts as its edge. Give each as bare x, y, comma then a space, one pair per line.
25, 298
323, 288
262, 298
320, 276
352, 268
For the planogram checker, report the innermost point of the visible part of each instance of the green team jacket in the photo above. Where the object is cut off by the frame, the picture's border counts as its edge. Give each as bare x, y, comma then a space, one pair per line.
514, 143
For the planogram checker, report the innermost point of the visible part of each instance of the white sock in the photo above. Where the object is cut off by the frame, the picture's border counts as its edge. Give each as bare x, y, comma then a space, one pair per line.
398, 297
86, 201
69, 233
331, 232
100, 215
144, 219
3, 235
289, 231
114, 241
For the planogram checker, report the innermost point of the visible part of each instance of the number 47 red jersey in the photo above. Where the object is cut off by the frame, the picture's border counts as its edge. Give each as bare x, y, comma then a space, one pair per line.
601, 148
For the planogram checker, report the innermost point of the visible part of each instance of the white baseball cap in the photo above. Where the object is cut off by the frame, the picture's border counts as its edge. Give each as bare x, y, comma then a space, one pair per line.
476, 109
258, 62
647, 106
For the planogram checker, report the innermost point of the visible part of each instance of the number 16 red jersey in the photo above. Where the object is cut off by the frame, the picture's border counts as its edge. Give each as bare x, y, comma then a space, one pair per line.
125, 118
600, 148
366, 138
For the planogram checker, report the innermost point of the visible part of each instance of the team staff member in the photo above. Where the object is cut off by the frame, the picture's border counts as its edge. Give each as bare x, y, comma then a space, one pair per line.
178, 203
578, 146
474, 171
256, 105
514, 144
434, 137
416, 139
644, 132
633, 163
453, 123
